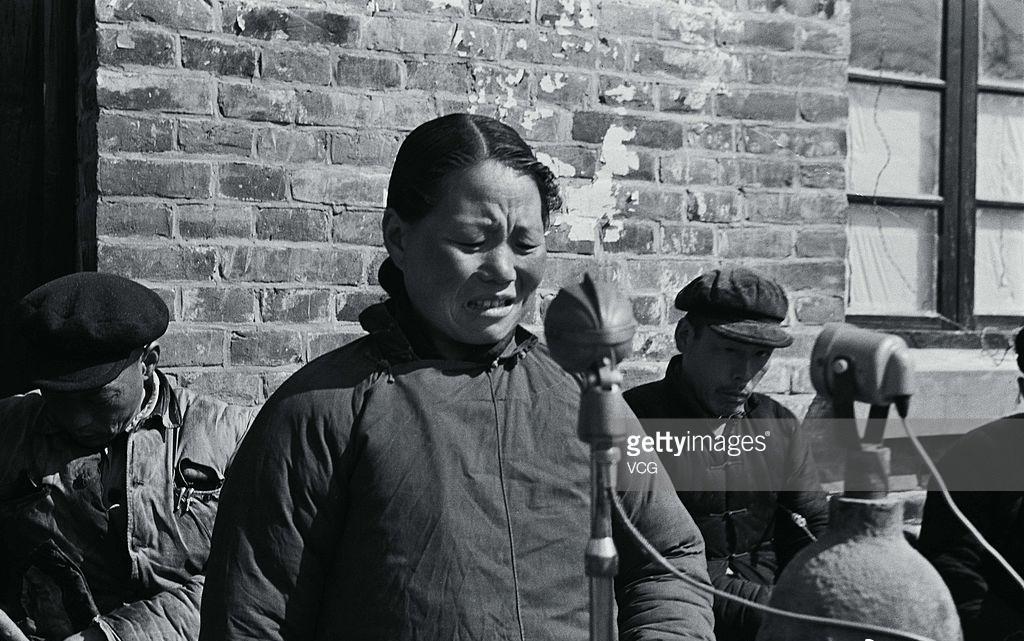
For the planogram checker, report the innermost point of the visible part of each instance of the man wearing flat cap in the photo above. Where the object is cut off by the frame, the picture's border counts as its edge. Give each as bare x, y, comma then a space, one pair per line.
109, 477
757, 507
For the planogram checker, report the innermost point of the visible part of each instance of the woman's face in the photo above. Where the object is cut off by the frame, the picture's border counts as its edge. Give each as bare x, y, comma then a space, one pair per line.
471, 263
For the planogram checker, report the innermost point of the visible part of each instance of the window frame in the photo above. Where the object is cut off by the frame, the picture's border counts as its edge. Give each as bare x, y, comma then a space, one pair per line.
956, 203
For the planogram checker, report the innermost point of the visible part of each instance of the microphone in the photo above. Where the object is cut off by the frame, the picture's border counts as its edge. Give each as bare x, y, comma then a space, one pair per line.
589, 326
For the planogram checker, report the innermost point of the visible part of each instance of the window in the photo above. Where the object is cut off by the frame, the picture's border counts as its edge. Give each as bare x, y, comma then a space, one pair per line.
936, 166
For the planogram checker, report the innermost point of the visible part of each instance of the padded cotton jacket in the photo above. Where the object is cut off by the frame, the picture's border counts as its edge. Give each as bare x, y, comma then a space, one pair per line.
131, 562
384, 495
749, 535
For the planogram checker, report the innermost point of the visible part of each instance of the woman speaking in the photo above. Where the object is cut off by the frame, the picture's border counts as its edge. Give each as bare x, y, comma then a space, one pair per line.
425, 482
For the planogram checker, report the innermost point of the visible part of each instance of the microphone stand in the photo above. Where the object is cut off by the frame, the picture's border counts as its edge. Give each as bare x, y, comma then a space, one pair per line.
602, 428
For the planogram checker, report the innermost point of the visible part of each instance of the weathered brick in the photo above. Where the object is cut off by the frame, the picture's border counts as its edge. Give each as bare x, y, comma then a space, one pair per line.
820, 275
440, 7
634, 237
188, 347
559, 237
823, 176
436, 75
564, 270
756, 242
714, 137
261, 264
755, 172
779, 36
501, 10
656, 346
117, 47
651, 203
622, 92
548, 124
338, 185
373, 265
218, 57
358, 227
237, 388
544, 47
804, 8
821, 243
591, 126
367, 72
685, 23
322, 342
356, 110
218, 304
157, 262
819, 309
647, 309
687, 64
196, 15
566, 161
626, 20
691, 170
253, 102
203, 220
663, 274
566, 13
294, 24
808, 207
816, 107
477, 41
133, 219
713, 206
823, 39
809, 143
266, 347
296, 305
290, 145
174, 94
214, 137
567, 89
351, 304
410, 35
292, 223
687, 240
306, 64
805, 72
170, 179
116, 132
756, 105
686, 100
252, 182
364, 147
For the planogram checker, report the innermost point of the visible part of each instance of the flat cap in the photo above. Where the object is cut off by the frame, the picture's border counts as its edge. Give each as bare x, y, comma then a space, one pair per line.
739, 304
83, 329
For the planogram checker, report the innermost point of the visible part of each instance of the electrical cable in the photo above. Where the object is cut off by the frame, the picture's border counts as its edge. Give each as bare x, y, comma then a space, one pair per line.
953, 506
656, 556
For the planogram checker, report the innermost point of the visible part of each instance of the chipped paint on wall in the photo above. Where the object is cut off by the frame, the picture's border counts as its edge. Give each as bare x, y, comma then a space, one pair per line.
593, 206
572, 16
559, 168
714, 67
550, 83
495, 87
622, 93
531, 116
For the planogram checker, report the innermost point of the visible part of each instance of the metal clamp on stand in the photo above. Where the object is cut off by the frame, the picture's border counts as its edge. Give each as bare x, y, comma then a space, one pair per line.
589, 328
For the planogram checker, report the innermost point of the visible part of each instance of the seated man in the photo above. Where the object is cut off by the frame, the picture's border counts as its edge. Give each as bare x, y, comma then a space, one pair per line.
109, 477
985, 476
750, 529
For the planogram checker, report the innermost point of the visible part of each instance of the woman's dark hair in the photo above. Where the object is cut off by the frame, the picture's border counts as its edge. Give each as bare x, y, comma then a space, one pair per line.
445, 145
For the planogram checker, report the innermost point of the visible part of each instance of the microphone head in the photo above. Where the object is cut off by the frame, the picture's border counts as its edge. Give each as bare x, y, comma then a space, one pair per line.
587, 323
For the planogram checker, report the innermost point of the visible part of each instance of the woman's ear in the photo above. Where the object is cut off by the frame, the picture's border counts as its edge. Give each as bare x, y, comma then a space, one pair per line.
394, 231
150, 359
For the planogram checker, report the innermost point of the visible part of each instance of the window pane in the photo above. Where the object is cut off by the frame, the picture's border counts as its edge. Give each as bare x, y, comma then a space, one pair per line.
999, 262
1002, 41
1000, 147
892, 260
894, 140
897, 35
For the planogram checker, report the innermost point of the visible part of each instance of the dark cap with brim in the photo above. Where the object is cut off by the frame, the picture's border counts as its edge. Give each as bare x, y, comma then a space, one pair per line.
738, 304
84, 329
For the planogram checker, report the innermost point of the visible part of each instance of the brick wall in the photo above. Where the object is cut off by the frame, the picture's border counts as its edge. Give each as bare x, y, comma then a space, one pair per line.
244, 150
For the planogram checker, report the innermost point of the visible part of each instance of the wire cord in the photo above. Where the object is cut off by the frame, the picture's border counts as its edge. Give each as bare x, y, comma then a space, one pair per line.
941, 482
656, 556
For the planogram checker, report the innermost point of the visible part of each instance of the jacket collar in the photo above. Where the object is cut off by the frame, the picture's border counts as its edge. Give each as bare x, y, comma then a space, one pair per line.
395, 327
681, 397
